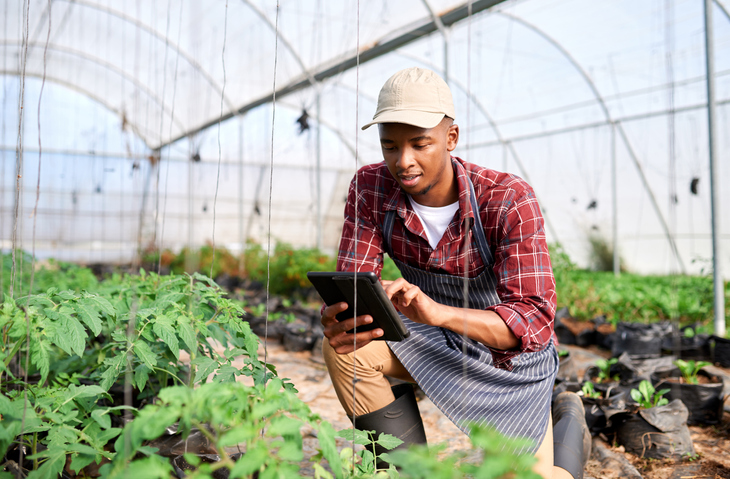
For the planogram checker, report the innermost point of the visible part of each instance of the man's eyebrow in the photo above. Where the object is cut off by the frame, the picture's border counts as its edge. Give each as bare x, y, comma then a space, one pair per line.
420, 138
386, 140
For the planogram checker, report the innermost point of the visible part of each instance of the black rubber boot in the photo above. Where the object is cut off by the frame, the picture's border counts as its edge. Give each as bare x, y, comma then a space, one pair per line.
400, 418
571, 437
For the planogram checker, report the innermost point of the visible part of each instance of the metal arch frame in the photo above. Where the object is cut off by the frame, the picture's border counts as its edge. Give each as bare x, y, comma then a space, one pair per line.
609, 119
168, 43
444, 33
307, 73
100, 62
78, 89
385, 44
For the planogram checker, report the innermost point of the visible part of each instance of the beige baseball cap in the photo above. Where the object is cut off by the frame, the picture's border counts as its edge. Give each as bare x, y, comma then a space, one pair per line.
414, 96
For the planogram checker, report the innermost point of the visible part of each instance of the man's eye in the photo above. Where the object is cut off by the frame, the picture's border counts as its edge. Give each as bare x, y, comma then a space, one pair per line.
387, 148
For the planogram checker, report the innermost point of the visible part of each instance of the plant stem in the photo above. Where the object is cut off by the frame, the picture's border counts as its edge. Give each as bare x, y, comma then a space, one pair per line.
34, 448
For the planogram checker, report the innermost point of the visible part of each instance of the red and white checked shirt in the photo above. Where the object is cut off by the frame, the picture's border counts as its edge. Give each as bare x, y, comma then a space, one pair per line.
513, 226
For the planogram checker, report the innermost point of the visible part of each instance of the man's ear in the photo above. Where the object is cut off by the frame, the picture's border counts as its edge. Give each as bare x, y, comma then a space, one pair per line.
452, 137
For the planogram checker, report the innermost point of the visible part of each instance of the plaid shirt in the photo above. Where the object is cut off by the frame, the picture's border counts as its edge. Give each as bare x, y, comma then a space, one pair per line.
512, 224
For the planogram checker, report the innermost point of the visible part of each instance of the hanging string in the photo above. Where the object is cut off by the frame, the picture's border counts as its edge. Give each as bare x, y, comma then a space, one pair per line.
2, 171
40, 153
35, 214
19, 146
271, 190
169, 148
220, 119
158, 242
467, 223
357, 194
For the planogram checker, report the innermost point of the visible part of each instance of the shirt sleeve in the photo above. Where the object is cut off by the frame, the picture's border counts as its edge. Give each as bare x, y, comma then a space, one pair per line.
526, 284
361, 241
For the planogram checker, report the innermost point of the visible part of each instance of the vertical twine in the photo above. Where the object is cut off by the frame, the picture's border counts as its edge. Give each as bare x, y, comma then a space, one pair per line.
220, 119
271, 189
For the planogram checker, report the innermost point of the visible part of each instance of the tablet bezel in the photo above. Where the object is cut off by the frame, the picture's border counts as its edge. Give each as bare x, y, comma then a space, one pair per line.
338, 286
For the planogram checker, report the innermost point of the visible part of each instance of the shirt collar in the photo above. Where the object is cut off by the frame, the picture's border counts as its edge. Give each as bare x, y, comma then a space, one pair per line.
396, 199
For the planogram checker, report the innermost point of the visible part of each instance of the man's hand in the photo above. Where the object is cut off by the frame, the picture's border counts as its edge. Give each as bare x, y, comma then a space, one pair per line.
412, 302
336, 331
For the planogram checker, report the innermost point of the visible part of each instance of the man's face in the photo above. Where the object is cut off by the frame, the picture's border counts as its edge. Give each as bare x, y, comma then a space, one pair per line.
420, 160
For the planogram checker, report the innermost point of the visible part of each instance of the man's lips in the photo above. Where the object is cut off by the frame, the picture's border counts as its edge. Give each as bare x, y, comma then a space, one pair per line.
409, 180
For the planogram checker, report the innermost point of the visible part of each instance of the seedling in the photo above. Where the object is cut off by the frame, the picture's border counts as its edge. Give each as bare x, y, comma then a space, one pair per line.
368, 460
589, 391
648, 397
604, 373
689, 369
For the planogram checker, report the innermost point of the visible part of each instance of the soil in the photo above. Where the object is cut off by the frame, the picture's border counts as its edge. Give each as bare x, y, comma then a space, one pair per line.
605, 328
576, 326
306, 370
701, 379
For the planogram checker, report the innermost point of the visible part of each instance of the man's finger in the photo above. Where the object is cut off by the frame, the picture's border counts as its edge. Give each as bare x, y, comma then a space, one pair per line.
347, 343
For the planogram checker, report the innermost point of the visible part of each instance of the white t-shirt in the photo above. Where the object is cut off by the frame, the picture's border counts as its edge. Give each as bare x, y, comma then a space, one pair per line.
435, 220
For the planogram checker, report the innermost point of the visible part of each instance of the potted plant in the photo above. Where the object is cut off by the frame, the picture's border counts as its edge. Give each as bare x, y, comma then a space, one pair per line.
654, 427
600, 404
699, 390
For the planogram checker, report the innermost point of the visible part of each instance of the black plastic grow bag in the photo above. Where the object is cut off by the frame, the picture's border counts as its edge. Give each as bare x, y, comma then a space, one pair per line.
658, 432
600, 410
722, 351
640, 340
682, 345
704, 401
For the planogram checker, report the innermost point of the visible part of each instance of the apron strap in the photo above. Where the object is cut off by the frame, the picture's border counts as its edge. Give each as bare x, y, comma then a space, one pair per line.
477, 230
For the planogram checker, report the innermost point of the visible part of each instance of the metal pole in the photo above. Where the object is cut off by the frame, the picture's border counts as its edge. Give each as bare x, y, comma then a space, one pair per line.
241, 238
714, 193
318, 195
614, 202
445, 33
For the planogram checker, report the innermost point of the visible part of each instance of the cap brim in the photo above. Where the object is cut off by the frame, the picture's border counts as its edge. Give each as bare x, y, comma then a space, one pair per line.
420, 119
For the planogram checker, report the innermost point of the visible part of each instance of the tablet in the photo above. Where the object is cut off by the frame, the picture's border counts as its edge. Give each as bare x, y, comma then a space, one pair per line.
336, 287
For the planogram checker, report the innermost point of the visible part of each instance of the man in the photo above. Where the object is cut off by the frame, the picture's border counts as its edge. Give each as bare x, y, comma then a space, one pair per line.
477, 292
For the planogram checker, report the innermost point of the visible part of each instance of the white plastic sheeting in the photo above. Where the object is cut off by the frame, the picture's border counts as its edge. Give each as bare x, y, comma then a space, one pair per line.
537, 86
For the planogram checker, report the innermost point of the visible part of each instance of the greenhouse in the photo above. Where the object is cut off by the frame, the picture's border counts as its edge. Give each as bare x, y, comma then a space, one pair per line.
170, 171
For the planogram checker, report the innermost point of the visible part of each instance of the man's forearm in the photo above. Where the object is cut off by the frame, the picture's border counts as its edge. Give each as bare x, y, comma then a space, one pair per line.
487, 327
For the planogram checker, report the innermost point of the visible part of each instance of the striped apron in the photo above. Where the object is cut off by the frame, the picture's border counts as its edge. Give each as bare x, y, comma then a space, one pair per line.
456, 372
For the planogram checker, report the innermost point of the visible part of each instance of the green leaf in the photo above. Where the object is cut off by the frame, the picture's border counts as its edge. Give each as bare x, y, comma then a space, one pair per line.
360, 437
636, 396
109, 376
186, 333
239, 435
226, 374
70, 334
326, 437
153, 467
205, 366
80, 461
284, 426
164, 330
101, 303
141, 376
388, 441
52, 466
88, 313
66, 295
143, 352
40, 350
102, 418
251, 462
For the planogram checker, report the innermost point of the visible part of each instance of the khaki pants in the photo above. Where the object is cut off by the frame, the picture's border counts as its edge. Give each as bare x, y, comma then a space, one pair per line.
370, 366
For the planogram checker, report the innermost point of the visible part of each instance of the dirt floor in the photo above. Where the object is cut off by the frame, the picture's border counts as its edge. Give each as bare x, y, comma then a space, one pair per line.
308, 373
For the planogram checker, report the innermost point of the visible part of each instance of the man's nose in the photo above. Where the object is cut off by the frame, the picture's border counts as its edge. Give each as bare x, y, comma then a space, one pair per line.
406, 159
